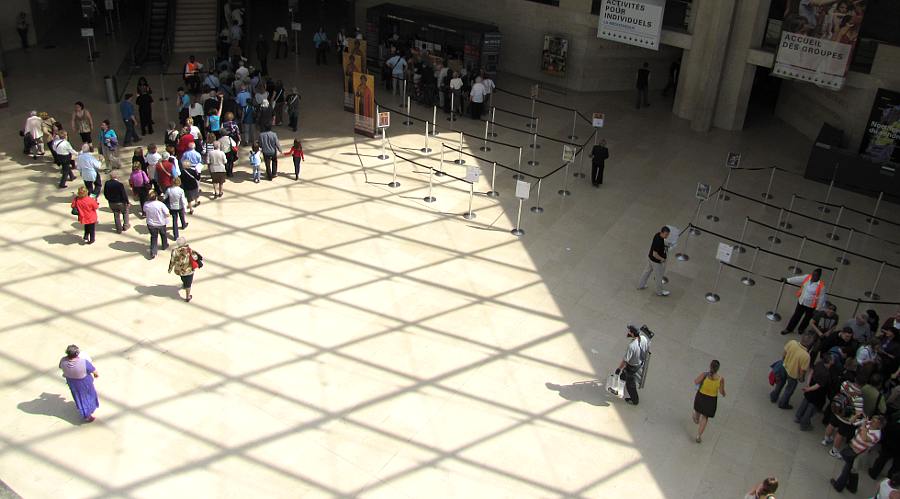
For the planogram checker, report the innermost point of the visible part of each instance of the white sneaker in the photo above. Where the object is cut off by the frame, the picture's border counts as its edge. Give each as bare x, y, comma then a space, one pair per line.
835, 454
664, 293
827, 441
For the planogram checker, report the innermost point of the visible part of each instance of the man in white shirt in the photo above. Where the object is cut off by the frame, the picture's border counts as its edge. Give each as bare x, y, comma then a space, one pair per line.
456, 84
476, 95
64, 152
632, 362
397, 64
810, 297
89, 168
488, 87
157, 220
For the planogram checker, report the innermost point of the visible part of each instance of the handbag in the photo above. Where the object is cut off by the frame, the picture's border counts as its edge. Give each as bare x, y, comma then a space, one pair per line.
615, 385
776, 366
196, 263
75, 210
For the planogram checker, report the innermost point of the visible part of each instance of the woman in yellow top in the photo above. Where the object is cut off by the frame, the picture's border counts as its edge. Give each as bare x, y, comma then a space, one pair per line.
709, 385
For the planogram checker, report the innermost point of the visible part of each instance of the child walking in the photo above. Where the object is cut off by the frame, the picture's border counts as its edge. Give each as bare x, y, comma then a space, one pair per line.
296, 153
255, 160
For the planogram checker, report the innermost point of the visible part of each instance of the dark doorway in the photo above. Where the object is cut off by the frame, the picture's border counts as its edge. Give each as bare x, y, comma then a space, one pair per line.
763, 98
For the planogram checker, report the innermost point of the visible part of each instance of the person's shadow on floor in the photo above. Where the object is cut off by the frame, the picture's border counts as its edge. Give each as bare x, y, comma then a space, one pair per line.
583, 391
52, 404
161, 290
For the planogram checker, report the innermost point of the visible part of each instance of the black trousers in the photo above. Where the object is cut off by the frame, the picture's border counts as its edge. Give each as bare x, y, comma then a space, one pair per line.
176, 214
628, 374
65, 165
884, 456
89, 232
271, 165
146, 122
597, 173
322, 54
802, 315
292, 121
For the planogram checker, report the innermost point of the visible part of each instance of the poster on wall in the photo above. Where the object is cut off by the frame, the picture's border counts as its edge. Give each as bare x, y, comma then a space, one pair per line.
633, 22
354, 60
364, 104
554, 55
817, 40
881, 140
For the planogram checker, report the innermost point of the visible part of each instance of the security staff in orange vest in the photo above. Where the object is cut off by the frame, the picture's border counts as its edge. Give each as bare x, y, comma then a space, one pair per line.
810, 297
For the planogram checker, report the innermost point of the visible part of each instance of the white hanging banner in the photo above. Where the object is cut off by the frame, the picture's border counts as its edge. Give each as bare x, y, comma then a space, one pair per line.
633, 22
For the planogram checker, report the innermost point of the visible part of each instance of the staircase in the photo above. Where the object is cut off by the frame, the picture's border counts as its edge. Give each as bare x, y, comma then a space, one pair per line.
195, 27
157, 29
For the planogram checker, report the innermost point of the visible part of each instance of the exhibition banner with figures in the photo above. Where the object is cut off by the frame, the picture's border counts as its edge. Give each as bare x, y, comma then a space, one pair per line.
817, 41
881, 140
354, 60
364, 104
633, 22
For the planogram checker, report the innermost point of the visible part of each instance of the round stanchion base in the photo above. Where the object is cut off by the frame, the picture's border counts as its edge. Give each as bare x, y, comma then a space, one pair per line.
773, 316
766, 195
724, 197
824, 209
518, 176
383, 157
871, 221
833, 236
533, 163
407, 122
712, 297
492, 134
564, 192
712, 218
537, 209
774, 239
572, 137
579, 175
484, 148
872, 296
739, 248
393, 184
842, 260
529, 125
492, 194
786, 225
534, 146
694, 231
517, 232
459, 161
470, 215
438, 173
429, 199
747, 281
425, 150
682, 257
665, 280
795, 270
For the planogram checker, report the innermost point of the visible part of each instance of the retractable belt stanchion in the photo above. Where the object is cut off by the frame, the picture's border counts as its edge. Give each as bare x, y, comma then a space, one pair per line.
440, 171
693, 230
434, 131
739, 247
824, 207
426, 149
722, 195
712, 217
565, 188
519, 176
459, 159
843, 260
580, 172
773, 314
531, 124
747, 280
537, 208
518, 230
408, 120
574, 122
833, 235
534, 148
383, 156
470, 214
393, 182
493, 193
795, 268
784, 223
682, 256
774, 239
872, 220
429, 198
493, 132
768, 193
451, 118
403, 96
485, 147
712, 297
534, 144
872, 293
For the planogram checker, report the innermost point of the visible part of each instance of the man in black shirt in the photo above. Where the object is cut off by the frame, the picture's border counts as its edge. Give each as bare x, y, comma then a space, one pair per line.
643, 84
117, 197
656, 263
599, 155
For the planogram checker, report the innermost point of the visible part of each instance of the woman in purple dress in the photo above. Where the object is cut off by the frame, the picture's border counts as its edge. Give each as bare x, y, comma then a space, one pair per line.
80, 374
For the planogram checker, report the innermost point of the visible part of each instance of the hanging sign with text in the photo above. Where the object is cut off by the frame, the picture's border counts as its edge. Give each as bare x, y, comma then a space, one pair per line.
632, 22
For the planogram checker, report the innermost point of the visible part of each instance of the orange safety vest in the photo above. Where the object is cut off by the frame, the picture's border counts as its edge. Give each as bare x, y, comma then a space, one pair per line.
818, 290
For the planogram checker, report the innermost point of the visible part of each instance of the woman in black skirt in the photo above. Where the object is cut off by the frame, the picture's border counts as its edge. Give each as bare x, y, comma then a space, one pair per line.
709, 385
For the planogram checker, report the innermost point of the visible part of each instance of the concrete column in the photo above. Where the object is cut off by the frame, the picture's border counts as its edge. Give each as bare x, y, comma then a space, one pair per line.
737, 76
701, 67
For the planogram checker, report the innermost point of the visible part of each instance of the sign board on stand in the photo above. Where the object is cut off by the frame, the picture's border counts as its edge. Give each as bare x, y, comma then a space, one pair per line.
597, 120
110, 4
636, 22
523, 189
702, 192
734, 160
472, 174
723, 252
384, 119
535, 90
568, 154
296, 26
87, 32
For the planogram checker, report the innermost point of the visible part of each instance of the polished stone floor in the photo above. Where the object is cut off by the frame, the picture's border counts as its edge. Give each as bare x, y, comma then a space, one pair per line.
347, 338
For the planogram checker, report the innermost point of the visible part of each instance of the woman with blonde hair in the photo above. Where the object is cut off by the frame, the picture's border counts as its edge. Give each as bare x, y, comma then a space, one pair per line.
183, 263
85, 207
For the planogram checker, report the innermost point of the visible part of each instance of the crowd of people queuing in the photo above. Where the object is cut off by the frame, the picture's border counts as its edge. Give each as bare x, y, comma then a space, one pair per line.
849, 372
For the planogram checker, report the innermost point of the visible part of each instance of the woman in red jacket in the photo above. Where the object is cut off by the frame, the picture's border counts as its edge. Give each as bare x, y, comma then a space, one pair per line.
87, 213
296, 154
185, 139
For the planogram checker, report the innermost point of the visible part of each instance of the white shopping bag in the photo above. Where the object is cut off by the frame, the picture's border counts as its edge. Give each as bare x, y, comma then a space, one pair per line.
615, 385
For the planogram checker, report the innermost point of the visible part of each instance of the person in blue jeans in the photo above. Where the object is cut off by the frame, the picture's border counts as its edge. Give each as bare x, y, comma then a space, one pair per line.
794, 365
816, 393
126, 107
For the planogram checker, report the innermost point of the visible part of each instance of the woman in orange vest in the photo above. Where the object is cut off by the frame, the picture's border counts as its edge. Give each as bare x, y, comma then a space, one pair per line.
810, 297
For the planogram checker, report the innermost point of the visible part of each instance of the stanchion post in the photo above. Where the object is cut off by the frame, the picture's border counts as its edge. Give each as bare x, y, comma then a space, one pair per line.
426, 149
383, 156
739, 247
872, 220
452, 107
712, 297
693, 230
747, 280
872, 293
534, 147
440, 171
403, 96
393, 183
833, 235
722, 195
537, 208
531, 123
574, 122
485, 147
470, 214
519, 176
459, 159
843, 260
409, 120
795, 268
565, 189
683, 256
768, 194
434, 121
784, 223
773, 314
493, 132
580, 172
429, 198
712, 217
774, 239
824, 208
493, 193
518, 230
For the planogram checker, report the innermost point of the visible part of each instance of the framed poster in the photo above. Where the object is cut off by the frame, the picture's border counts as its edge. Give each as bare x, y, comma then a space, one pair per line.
554, 55
634, 22
384, 119
364, 104
881, 140
354, 61
597, 120
734, 160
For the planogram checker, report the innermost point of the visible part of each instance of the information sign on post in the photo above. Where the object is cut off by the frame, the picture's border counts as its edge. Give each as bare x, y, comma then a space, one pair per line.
597, 120
296, 27
535, 90
384, 119
522, 189
568, 154
472, 174
702, 191
87, 32
734, 160
723, 253
110, 4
